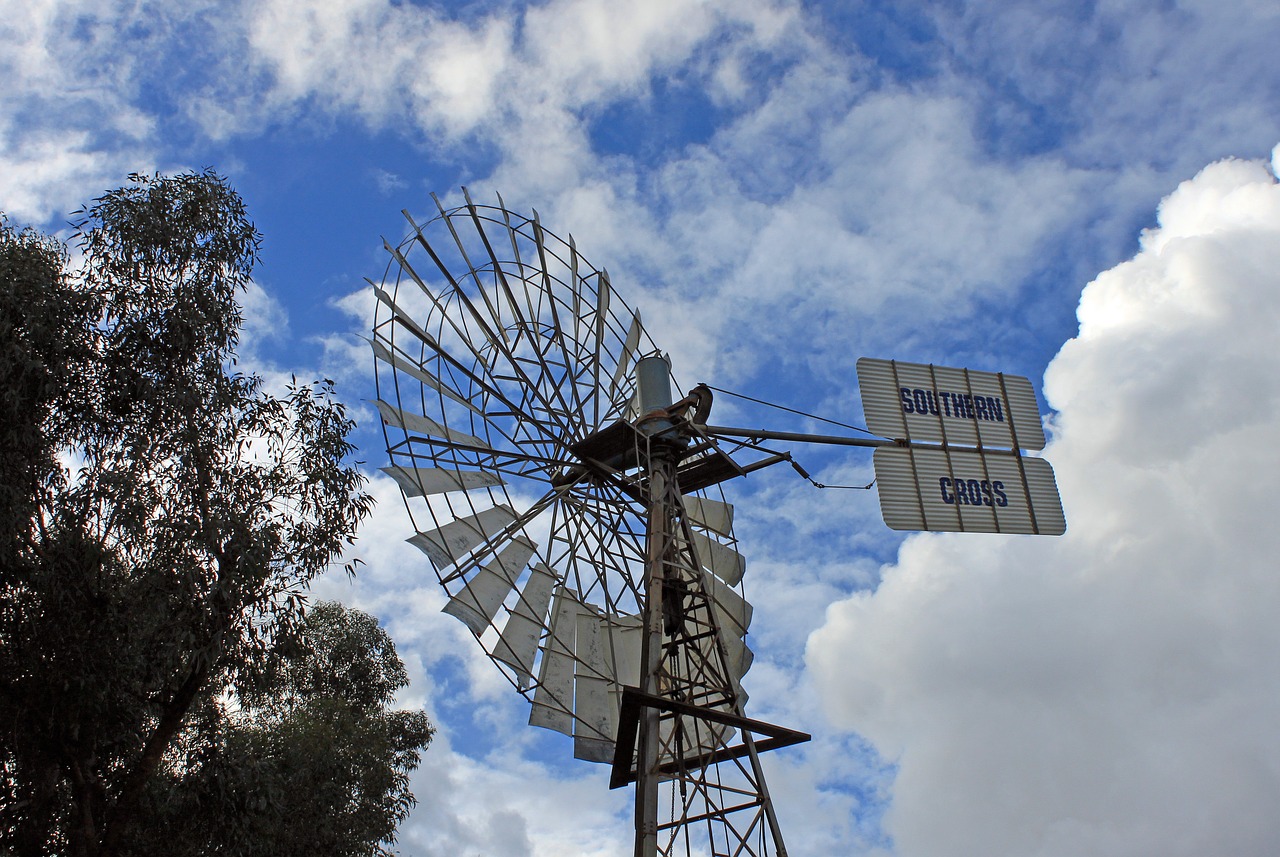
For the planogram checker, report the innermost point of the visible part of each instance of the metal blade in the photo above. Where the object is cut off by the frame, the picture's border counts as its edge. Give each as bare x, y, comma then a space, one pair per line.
553, 698
592, 733
733, 611
628, 351
519, 641
478, 601
603, 290
421, 481
709, 514
409, 421
447, 544
720, 559
414, 370
739, 655
623, 637
403, 317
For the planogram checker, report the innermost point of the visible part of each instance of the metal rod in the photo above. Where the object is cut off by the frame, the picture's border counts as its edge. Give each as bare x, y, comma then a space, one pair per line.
764, 462
765, 434
662, 467
801, 437
770, 817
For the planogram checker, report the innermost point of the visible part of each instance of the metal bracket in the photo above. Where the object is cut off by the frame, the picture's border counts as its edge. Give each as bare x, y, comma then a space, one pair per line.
633, 699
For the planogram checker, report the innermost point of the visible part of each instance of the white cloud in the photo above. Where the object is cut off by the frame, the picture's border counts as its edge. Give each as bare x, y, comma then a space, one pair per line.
265, 319
1111, 692
51, 174
1118, 77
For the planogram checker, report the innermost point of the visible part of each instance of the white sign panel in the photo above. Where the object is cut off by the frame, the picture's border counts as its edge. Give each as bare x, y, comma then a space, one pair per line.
949, 490
923, 402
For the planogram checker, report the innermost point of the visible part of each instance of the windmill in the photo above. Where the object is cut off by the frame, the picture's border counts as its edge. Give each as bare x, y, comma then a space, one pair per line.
571, 506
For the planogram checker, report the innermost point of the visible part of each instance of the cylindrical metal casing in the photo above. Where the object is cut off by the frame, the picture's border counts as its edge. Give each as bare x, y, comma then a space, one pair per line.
653, 377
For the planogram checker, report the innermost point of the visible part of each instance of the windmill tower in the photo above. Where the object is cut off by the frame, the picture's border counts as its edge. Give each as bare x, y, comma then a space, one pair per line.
572, 508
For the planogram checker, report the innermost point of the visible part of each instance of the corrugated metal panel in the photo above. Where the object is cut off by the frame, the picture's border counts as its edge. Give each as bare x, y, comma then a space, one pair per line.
967, 491
922, 402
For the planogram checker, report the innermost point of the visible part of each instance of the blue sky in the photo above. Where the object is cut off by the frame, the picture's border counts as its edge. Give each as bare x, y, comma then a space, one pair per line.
1082, 189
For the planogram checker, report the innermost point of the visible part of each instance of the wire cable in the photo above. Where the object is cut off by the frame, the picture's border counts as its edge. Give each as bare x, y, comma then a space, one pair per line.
790, 410
795, 465
790, 460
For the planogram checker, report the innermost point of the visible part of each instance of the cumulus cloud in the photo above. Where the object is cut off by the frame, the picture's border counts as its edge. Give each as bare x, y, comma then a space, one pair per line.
1111, 692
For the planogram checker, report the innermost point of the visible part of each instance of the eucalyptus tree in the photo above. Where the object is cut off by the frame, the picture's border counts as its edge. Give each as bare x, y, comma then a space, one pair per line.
163, 514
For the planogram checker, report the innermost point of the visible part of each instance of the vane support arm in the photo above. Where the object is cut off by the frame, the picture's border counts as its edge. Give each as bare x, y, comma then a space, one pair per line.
801, 437
837, 440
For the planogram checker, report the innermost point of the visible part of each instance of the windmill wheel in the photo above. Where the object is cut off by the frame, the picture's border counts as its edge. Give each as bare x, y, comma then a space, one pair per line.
500, 352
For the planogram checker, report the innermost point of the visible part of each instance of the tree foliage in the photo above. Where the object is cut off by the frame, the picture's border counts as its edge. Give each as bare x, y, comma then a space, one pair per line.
163, 515
312, 763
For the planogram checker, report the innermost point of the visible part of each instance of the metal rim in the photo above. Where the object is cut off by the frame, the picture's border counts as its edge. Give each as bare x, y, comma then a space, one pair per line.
512, 347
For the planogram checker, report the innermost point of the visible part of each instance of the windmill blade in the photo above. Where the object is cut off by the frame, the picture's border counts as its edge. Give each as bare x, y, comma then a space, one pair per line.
545, 287
739, 658
519, 640
628, 351
720, 559
403, 317
575, 279
473, 273
623, 639
453, 283
489, 320
446, 545
553, 699
592, 736
712, 515
479, 384
603, 291
409, 421
414, 370
478, 601
423, 481
733, 612
515, 249
586, 659
504, 286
